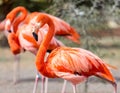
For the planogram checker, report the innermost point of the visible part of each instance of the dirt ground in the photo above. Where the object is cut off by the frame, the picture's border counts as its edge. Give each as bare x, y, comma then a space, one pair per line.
27, 76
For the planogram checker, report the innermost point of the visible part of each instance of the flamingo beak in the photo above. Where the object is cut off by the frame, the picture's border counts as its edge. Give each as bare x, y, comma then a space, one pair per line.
9, 31
35, 36
8, 26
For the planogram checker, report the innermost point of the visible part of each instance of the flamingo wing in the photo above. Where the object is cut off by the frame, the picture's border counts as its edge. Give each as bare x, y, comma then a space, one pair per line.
77, 62
64, 29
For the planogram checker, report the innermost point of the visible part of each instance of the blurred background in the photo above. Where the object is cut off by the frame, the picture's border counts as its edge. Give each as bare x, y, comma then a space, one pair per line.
97, 22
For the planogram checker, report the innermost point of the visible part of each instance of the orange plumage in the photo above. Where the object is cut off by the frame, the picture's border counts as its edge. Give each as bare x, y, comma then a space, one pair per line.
72, 64
13, 18
14, 43
77, 61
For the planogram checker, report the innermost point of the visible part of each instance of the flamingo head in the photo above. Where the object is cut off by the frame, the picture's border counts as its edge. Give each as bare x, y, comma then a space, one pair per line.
41, 21
35, 28
8, 26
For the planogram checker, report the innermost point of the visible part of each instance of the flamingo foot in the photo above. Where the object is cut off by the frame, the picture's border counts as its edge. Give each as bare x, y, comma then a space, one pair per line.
115, 87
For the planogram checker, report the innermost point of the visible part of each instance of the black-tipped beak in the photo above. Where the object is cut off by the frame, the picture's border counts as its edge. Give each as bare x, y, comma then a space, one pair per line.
35, 36
49, 51
9, 31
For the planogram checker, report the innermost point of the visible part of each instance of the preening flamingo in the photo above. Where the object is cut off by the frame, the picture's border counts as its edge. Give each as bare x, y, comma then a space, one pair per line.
61, 27
72, 64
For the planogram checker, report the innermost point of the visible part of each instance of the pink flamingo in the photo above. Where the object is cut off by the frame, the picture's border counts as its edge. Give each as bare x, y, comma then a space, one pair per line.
72, 64
61, 27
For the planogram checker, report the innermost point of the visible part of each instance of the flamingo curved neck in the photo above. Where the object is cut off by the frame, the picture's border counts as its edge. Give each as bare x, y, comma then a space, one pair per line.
40, 64
11, 16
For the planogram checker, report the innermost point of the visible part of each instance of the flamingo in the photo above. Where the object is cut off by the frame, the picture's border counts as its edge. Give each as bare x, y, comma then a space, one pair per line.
72, 64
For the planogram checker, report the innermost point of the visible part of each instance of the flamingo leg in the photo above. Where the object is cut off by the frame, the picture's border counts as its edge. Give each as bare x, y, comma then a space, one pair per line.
16, 69
46, 85
46, 79
114, 84
64, 86
42, 84
36, 82
74, 88
86, 86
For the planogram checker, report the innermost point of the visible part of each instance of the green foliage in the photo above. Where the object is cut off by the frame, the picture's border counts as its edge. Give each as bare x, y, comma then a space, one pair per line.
33, 5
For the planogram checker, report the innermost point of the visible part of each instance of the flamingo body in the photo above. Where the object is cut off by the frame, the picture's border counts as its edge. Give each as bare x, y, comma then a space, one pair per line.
72, 63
